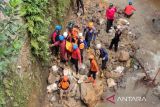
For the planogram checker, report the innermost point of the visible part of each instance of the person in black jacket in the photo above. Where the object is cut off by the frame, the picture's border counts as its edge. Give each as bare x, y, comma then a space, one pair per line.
80, 4
116, 39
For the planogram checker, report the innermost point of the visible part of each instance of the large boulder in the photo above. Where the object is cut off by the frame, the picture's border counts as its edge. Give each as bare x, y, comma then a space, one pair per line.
124, 56
89, 94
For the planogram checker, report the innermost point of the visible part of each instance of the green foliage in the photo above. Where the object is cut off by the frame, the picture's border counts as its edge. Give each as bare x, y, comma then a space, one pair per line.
11, 34
34, 11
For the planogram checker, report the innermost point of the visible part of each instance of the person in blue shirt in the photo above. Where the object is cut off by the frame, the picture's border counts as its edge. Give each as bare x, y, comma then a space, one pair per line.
103, 55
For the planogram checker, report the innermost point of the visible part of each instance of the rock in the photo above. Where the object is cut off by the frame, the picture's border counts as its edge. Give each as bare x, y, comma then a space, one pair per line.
101, 21
82, 78
119, 69
52, 87
112, 74
54, 68
51, 78
89, 94
124, 56
111, 82
122, 22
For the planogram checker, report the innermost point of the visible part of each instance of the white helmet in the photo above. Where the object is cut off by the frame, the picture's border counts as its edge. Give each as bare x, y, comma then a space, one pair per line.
65, 34
98, 46
80, 34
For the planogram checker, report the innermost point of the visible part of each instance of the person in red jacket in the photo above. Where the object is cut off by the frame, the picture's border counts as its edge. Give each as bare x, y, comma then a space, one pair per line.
129, 9
110, 12
62, 44
76, 57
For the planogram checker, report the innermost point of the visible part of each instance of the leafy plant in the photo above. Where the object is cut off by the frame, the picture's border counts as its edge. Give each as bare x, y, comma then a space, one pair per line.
34, 11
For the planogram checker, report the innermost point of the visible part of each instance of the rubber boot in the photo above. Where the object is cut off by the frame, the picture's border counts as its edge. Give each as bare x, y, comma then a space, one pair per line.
89, 80
94, 83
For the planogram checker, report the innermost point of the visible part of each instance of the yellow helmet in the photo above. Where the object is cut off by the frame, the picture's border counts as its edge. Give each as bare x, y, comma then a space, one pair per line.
90, 24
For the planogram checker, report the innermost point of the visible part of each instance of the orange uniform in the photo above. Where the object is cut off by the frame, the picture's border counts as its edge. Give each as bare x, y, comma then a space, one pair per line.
94, 67
129, 9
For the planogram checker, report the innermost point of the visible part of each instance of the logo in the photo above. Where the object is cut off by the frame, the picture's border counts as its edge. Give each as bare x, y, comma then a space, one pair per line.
111, 99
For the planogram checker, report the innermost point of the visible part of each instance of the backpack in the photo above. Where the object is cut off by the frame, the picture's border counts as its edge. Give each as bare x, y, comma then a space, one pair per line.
64, 85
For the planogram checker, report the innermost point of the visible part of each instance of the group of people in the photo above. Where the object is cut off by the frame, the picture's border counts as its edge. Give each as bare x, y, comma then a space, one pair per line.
72, 43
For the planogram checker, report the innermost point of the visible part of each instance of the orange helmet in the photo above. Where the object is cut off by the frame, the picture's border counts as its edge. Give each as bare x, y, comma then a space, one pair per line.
90, 24
65, 78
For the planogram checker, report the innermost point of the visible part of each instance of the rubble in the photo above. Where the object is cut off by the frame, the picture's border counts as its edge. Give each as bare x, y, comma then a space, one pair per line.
111, 82
156, 91
52, 87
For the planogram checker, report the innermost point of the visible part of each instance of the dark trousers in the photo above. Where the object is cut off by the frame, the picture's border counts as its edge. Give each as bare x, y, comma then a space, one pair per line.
81, 50
115, 43
75, 63
55, 50
128, 16
109, 25
88, 43
104, 62
92, 73
80, 4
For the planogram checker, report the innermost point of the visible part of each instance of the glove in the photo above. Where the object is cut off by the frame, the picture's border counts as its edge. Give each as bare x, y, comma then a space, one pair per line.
103, 58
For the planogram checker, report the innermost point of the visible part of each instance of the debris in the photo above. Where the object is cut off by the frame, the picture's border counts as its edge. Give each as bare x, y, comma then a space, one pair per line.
54, 68
52, 87
51, 78
111, 82
156, 91
119, 69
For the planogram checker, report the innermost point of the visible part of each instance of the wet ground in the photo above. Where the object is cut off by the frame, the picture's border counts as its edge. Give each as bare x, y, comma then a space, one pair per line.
148, 40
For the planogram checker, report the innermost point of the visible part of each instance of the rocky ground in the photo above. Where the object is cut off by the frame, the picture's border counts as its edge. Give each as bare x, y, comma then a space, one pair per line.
125, 69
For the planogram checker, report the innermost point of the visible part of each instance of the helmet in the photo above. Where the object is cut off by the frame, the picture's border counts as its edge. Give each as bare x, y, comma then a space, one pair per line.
90, 24
58, 27
111, 5
98, 46
80, 34
91, 56
75, 46
61, 37
65, 34
130, 3
65, 78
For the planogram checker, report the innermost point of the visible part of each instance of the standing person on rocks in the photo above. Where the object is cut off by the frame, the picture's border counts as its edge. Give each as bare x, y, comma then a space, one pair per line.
81, 45
94, 69
76, 57
90, 33
129, 10
110, 12
104, 56
80, 4
55, 38
62, 44
116, 39
64, 85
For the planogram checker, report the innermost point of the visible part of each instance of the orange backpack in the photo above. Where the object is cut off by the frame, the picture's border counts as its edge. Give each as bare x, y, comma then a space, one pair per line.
69, 46
64, 85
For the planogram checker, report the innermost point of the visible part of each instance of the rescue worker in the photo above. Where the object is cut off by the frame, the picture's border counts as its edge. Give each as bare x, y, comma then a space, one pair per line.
62, 44
76, 57
81, 45
75, 32
116, 39
64, 85
103, 55
90, 33
129, 10
110, 13
55, 38
80, 4
94, 69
